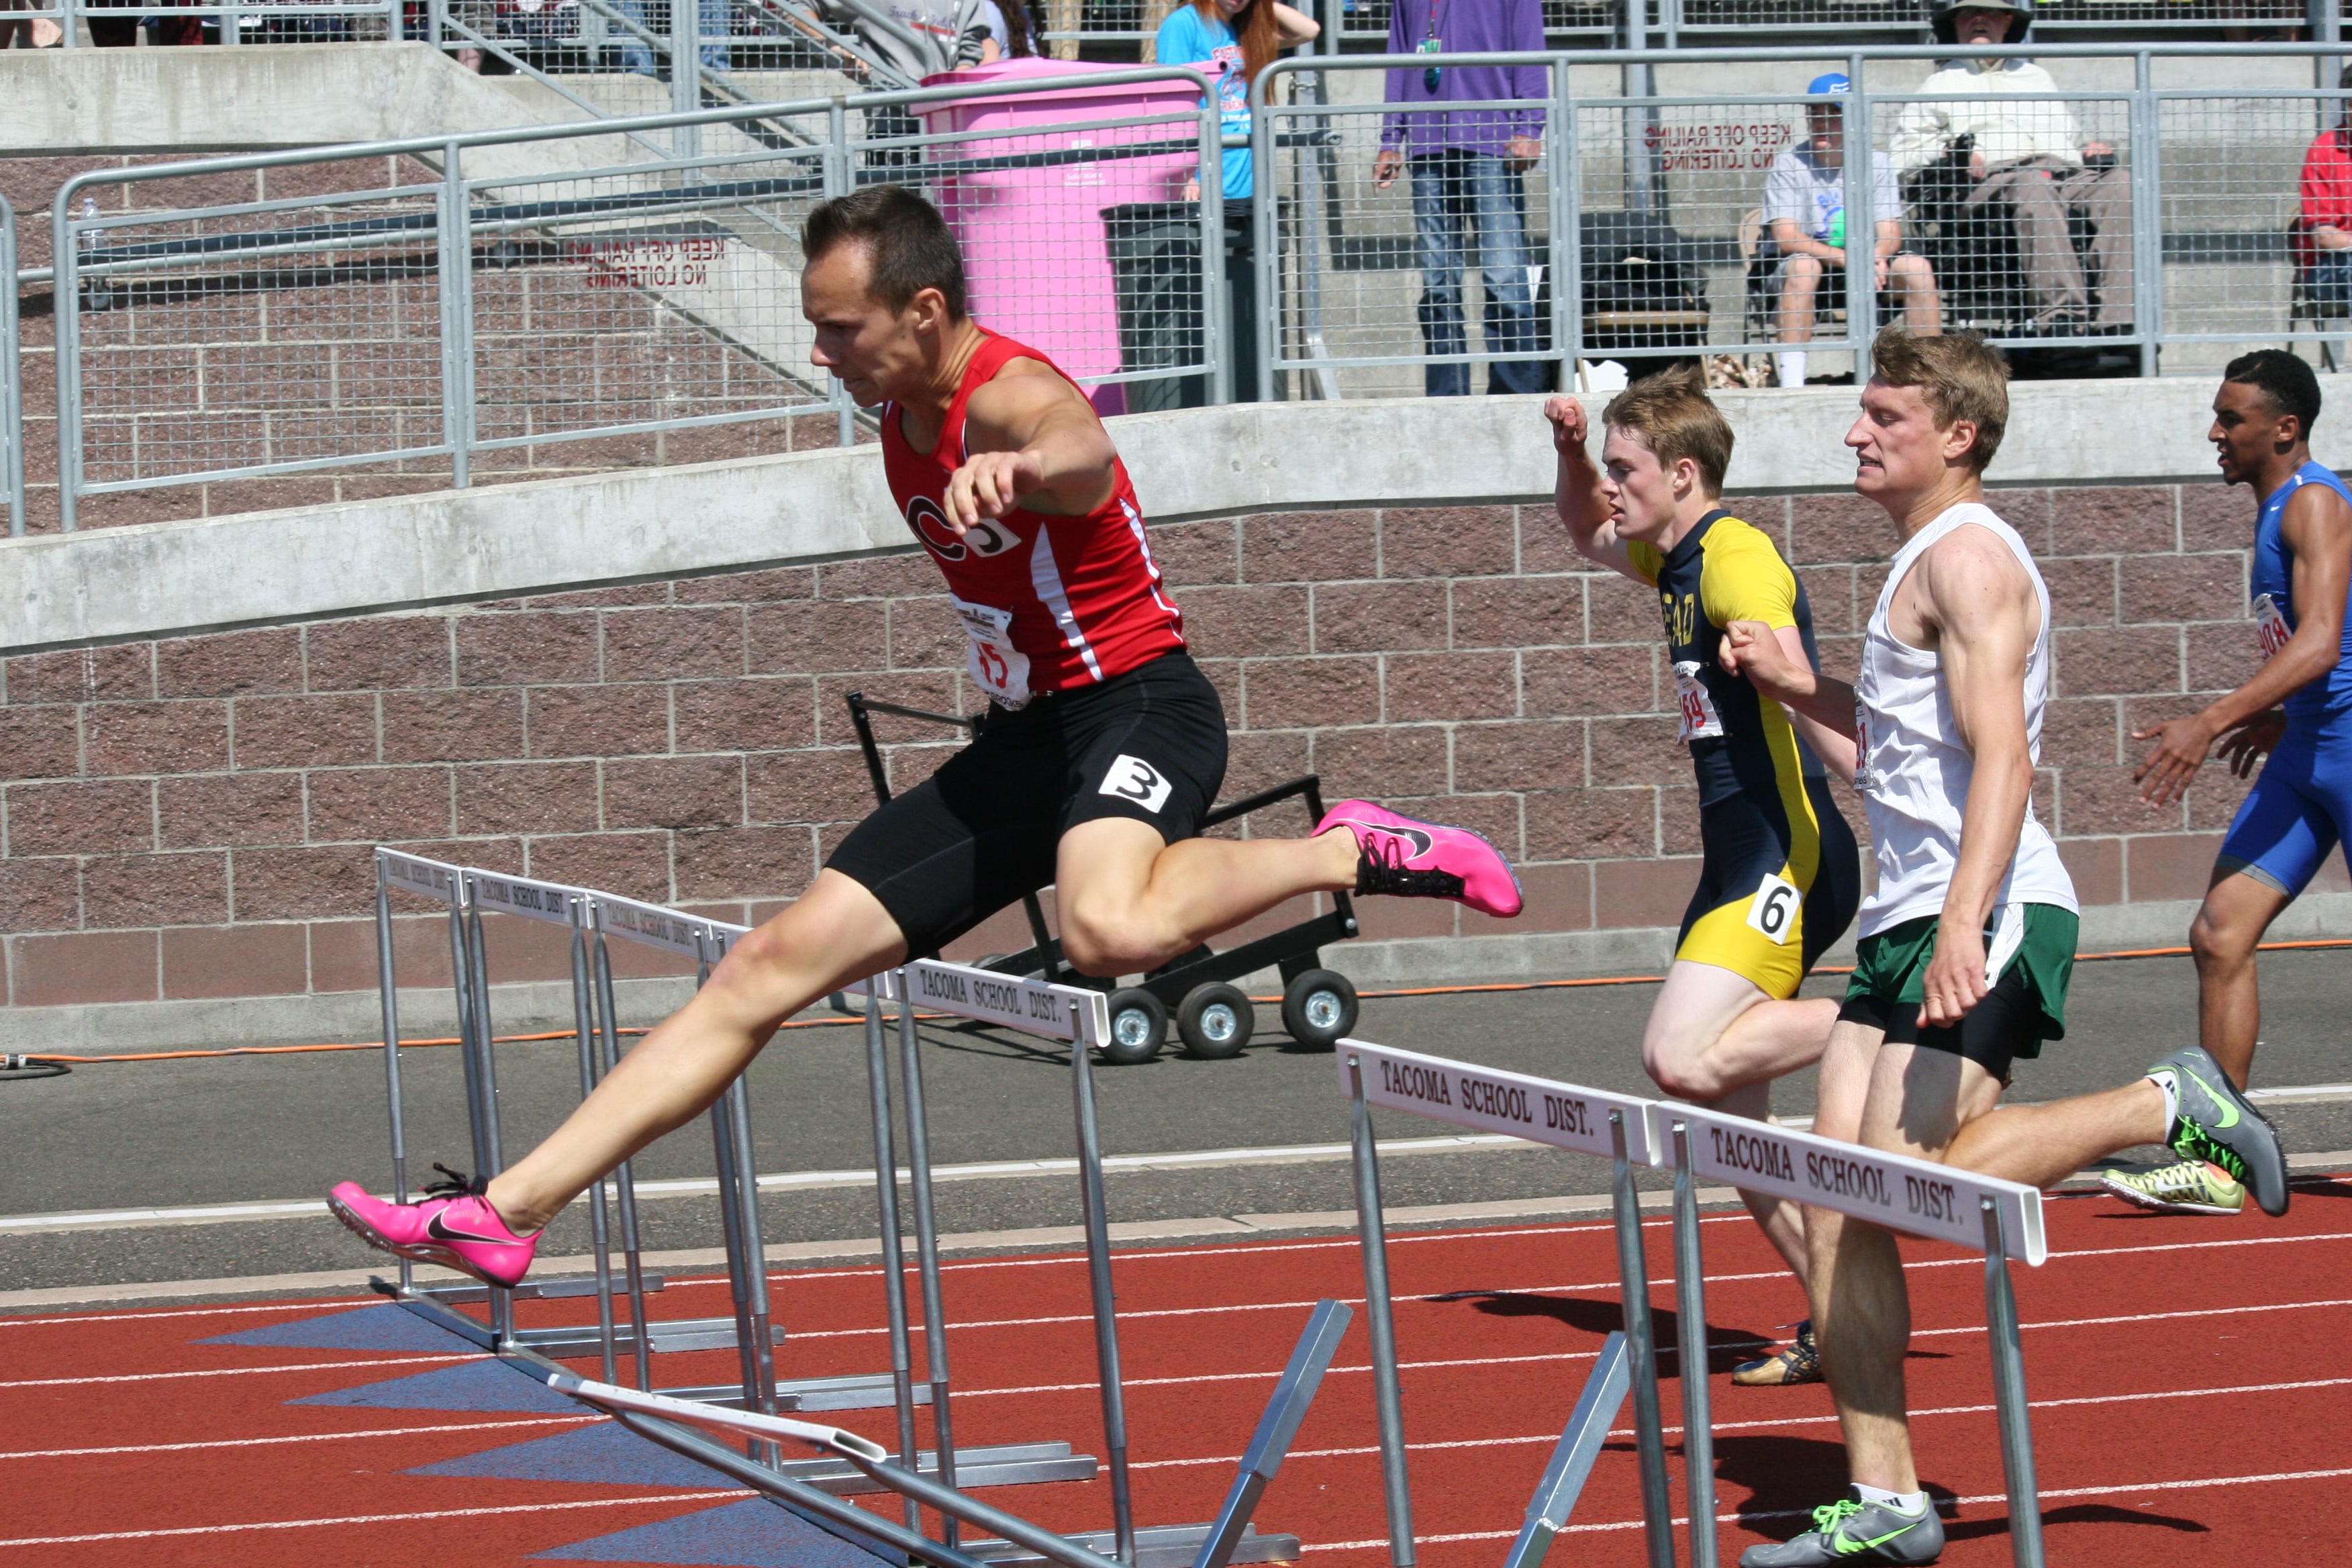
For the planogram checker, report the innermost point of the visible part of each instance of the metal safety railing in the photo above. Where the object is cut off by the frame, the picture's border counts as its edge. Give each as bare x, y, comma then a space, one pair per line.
96, 22
2152, 228
12, 381
538, 300
1673, 23
484, 303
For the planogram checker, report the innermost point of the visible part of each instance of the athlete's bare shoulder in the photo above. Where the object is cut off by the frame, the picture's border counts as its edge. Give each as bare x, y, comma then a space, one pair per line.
2315, 506
1970, 580
1004, 412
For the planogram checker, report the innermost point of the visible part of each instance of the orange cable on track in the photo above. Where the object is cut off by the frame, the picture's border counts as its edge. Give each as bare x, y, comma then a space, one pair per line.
1506, 986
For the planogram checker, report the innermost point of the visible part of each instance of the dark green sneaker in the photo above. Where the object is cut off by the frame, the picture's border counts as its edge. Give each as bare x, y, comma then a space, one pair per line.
1851, 1530
2215, 1124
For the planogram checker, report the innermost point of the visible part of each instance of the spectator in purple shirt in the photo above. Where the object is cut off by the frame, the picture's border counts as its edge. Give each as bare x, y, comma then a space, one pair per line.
1465, 164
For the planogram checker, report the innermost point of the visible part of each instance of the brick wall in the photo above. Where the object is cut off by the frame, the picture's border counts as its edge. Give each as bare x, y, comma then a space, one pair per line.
191, 818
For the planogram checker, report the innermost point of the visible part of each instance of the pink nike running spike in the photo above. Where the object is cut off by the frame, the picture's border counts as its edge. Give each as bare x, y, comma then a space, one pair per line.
1400, 855
452, 1225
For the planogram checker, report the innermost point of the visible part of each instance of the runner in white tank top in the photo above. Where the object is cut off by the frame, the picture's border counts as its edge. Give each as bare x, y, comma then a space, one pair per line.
1916, 767
1969, 940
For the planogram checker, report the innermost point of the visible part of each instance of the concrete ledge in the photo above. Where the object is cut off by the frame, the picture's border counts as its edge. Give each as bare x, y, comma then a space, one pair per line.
116, 1028
271, 568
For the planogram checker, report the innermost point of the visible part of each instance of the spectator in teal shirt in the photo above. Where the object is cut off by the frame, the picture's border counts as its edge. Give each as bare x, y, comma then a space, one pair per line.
1233, 42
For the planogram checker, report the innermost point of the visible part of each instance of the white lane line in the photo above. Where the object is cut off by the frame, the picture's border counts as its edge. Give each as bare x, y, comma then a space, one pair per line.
2232, 1310
1664, 1352
1657, 1282
230, 1371
802, 1181
372, 1518
1824, 1418
299, 1437
1268, 1377
2193, 1484
316, 1304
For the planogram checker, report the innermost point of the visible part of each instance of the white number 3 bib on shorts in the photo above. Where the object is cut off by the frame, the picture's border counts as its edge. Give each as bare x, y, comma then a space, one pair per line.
1132, 778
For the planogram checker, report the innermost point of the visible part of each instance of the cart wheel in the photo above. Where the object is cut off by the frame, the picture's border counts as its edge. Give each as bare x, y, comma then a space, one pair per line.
1319, 1007
1215, 1021
1138, 1026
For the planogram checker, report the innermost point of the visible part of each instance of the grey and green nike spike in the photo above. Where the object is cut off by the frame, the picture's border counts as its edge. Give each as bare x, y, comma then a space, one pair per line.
2214, 1123
1851, 1530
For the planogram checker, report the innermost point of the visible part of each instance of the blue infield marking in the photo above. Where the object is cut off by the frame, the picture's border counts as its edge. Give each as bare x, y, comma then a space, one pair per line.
471, 1385
382, 1328
603, 1454
752, 1534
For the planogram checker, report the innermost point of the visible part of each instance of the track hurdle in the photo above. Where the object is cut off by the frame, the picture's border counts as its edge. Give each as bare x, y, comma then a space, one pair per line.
1080, 1017
1566, 1116
591, 920
2000, 1219
1019, 1541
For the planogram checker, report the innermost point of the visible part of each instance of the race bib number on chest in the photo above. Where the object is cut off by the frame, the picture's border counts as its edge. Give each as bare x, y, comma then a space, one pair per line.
997, 666
2270, 626
1700, 720
1862, 779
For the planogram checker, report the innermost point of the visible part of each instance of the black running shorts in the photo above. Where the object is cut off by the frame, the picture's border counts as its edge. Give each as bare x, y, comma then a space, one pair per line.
983, 830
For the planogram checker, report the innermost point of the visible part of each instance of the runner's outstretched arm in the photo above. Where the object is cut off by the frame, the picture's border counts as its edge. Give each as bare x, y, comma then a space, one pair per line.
1751, 648
1032, 441
1577, 496
2317, 527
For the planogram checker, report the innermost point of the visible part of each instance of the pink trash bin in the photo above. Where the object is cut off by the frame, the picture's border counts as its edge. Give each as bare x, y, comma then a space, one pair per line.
1035, 252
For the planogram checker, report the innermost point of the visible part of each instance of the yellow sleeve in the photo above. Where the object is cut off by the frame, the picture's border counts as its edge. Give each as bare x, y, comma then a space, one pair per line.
1647, 560
1743, 578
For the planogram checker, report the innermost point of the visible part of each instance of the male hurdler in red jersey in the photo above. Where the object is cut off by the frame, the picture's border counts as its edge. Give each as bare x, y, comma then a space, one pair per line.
1103, 748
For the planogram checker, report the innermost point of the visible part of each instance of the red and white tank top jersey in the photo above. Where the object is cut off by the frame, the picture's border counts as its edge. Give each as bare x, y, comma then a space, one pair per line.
1048, 602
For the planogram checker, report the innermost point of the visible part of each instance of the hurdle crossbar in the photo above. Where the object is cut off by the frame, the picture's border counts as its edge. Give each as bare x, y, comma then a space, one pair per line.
1918, 1197
1616, 1127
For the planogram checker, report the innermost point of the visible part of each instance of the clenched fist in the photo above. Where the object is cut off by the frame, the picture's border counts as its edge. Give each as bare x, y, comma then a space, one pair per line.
1567, 423
989, 485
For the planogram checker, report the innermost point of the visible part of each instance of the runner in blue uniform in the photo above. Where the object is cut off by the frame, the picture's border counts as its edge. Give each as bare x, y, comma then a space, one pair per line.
2297, 708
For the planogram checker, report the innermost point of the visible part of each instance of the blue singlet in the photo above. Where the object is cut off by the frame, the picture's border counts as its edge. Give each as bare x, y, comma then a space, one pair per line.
2301, 807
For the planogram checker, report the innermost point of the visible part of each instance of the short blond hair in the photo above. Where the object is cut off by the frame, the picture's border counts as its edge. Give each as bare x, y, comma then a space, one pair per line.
1676, 418
1960, 375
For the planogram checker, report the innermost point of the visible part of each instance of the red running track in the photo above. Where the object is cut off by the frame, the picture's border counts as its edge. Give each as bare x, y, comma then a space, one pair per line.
2187, 1378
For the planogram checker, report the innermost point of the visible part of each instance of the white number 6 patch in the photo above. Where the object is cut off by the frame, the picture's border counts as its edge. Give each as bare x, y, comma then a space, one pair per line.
1132, 778
1774, 909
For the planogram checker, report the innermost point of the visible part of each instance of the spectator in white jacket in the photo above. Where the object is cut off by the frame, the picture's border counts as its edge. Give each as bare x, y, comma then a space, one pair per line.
2030, 157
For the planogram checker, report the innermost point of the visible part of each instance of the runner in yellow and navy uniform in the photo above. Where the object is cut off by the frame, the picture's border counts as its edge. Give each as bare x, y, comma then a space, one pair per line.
1780, 877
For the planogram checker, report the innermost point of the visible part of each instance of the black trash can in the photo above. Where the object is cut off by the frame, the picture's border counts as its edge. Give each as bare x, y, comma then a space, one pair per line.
1155, 262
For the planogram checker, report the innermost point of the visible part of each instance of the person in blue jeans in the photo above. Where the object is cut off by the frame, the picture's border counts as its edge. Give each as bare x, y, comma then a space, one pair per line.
1465, 164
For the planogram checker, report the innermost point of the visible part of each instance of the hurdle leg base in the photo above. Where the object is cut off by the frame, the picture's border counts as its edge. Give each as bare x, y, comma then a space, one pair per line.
1003, 1464
1156, 1546
535, 1290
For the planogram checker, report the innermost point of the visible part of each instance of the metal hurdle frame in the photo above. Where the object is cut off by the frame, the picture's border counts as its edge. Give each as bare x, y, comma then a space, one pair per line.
1617, 1127
589, 918
2000, 1219
1080, 1016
